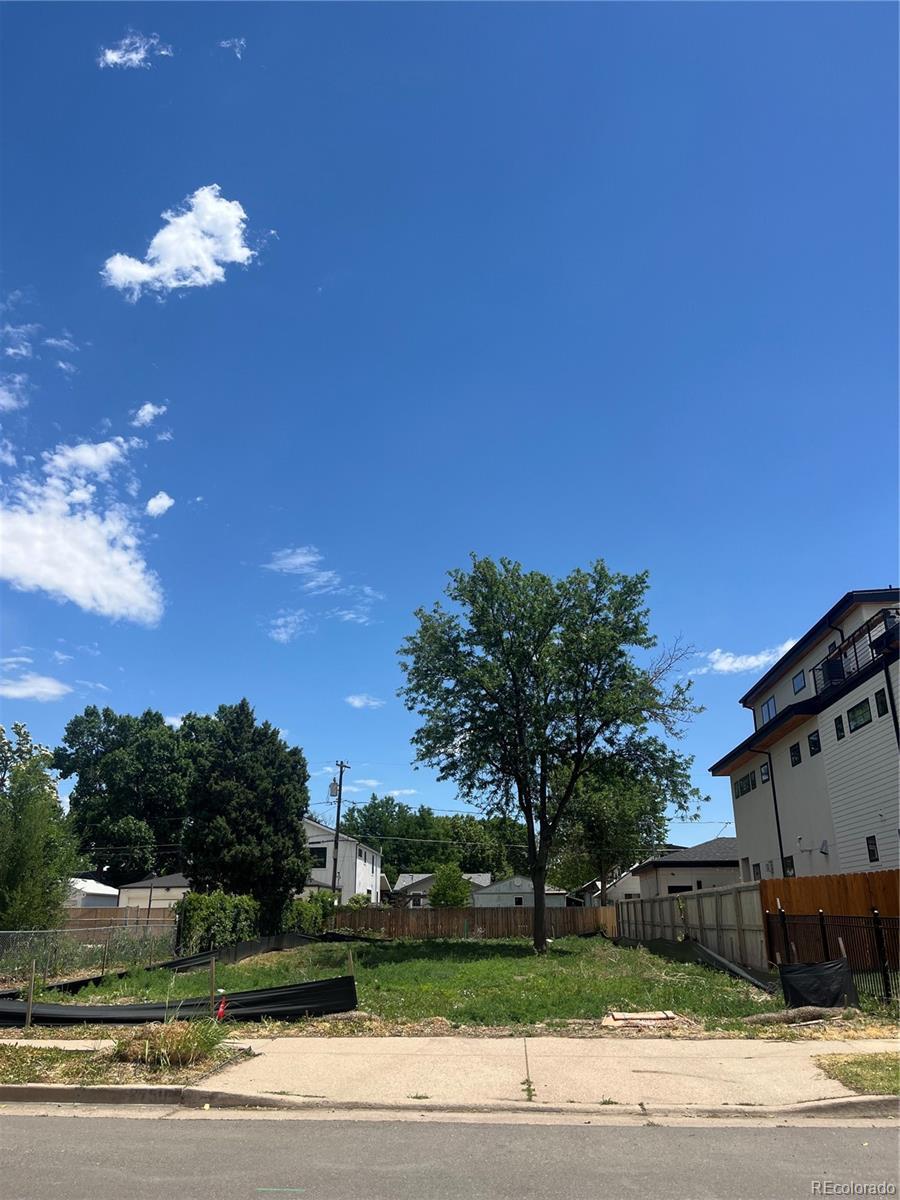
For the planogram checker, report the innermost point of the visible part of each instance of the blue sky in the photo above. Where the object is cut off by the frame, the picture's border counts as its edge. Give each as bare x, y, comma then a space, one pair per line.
555, 282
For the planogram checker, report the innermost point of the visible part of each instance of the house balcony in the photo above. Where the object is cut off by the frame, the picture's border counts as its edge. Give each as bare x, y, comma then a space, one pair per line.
877, 638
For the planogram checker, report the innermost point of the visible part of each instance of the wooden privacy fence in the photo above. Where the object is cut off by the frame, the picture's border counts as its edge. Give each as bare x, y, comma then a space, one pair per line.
728, 921
89, 920
849, 895
474, 922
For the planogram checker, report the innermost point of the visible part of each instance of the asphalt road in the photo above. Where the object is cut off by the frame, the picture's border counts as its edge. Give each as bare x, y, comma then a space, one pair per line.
59, 1158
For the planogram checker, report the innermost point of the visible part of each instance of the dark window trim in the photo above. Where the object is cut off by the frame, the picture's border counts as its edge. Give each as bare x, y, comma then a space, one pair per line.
764, 773
318, 857
863, 706
872, 847
796, 755
787, 865
801, 675
839, 731
764, 710
881, 704
756, 871
814, 742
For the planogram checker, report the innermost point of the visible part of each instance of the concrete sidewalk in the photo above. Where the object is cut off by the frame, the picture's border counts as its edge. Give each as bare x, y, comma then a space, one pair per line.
489, 1073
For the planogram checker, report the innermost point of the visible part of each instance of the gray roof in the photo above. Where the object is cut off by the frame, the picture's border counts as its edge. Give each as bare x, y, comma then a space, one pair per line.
161, 881
718, 852
409, 878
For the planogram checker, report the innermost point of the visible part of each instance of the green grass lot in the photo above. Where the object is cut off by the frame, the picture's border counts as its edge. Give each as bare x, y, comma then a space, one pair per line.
874, 1074
473, 983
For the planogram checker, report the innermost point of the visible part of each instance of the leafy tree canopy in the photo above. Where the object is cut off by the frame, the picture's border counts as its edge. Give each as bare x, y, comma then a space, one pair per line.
37, 851
525, 679
450, 889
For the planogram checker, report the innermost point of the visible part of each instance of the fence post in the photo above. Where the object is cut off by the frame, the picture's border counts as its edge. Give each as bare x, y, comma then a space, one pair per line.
30, 1000
823, 930
105, 953
212, 986
782, 918
882, 952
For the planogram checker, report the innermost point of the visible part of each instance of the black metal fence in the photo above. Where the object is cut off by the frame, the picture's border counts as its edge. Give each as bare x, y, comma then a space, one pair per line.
870, 944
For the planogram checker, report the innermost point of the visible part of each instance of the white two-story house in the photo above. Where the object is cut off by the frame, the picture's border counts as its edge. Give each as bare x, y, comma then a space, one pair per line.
359, 866
815, 786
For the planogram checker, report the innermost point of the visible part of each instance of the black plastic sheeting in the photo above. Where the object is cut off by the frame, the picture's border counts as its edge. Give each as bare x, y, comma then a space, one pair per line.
825, 985
319, 998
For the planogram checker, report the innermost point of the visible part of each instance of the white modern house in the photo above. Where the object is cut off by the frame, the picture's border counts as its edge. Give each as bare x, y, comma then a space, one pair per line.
815, 785
358, 865
88, 893
620, 885
515, 892
709, 865
412, 890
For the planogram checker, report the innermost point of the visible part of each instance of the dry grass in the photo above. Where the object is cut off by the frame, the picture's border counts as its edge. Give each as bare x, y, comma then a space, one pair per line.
169, 1045
37, 1064
872, 1074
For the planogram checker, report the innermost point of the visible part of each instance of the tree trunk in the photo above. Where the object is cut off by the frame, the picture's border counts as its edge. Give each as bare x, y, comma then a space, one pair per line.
539, 880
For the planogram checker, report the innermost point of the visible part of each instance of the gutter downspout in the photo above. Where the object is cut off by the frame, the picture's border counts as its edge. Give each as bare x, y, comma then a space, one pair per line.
890, 692
775, 804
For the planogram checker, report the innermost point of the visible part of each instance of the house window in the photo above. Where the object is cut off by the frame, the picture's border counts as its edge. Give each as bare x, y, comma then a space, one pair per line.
764, 773
770, 869
417, 901
872, 847
839, 727
787, 865
745, 868
859, 715
815, 744
359, 853
796, 756
699, 885
518, 901
799, 682
832, 646
743, 785
674, 888
319, 856
881, 704
757, 873
767, 712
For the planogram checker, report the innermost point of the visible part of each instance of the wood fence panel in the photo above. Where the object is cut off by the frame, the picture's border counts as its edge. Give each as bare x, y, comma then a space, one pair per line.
107, 918
474, 922
728, 921
852, 894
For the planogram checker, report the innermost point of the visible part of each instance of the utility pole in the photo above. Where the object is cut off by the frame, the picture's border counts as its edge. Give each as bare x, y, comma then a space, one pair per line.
337, 789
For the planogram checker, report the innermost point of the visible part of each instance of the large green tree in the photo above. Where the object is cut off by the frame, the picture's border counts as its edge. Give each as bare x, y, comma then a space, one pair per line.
525, 679
450, 889
37, 850
243, 831
128, 805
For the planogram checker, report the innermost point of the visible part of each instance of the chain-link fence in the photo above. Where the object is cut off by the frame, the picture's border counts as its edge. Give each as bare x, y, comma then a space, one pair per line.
66, 953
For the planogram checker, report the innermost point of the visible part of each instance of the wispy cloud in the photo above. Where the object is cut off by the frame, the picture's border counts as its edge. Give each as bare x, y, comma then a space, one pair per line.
148, 413
288, 625
368, 782
158, 504
403, 792
13, 391
305, 561
65, 342
60, 657
30, 686
68, 532
191, 250
7, 453
725, 662
17, 340
67, 368
174, 722
135, 50
238, 45
363, 700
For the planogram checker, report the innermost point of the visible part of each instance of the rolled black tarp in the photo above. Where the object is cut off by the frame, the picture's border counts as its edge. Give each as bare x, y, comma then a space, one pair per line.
318, 998
825, 984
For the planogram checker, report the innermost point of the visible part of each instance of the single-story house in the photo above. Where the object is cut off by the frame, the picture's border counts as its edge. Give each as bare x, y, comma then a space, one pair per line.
156, 891
516, 892
88, 893
412, 889
710, 864
620, 885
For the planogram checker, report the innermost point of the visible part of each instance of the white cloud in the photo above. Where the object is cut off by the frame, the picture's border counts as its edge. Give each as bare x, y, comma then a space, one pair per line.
305, 561
363, 700
60, 657
134, 50
67, 368
7, 453
62, 343
17, 339
190, 250
148, 413
403, 792
368, 782
238, 45
175, 721
15, 661
159, 504
13, 392
724, 662
100, 687
288, 624
64, 535
33, 687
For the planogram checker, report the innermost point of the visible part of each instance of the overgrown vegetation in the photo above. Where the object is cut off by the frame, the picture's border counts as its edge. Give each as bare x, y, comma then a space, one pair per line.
176, 1063
215, 919
62, 955
490, 983
874, 1074
170, 1044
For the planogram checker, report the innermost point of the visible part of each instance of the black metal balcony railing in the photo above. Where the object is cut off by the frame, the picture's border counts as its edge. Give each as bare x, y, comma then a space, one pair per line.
871, 641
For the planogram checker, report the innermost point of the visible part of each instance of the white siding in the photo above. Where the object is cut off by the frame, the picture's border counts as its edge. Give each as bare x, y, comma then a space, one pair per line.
504, 892
355, 874
658, 881
863, 780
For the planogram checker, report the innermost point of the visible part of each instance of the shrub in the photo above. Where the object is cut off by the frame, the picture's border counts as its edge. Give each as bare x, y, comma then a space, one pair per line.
171, 1044
308, 916
216, 919
450, 889
360, 900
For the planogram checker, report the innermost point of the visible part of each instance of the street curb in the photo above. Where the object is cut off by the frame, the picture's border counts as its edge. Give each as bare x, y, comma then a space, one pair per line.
856, 1107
